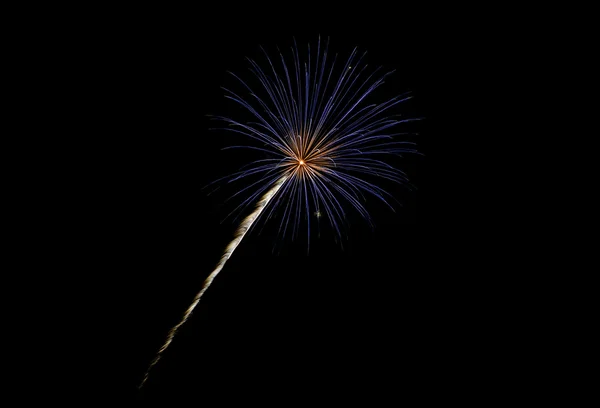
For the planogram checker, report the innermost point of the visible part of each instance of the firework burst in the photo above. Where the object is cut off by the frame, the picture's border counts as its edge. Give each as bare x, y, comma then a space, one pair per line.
322, 144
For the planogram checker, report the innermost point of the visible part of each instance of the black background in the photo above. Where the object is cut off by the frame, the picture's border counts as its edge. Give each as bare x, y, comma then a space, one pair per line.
388, 315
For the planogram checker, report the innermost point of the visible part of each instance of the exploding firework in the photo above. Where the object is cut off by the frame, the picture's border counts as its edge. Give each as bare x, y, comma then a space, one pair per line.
322, 144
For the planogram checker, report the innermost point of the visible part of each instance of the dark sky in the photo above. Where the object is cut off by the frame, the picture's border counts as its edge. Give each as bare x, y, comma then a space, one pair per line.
381, 319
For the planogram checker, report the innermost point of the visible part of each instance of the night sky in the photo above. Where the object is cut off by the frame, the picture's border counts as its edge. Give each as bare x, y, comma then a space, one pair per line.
375, 320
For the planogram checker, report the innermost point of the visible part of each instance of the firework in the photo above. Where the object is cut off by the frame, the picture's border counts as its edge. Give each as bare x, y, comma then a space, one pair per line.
322, 143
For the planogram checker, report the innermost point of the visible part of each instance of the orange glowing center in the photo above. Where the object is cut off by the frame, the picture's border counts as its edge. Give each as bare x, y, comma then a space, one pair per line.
301, 162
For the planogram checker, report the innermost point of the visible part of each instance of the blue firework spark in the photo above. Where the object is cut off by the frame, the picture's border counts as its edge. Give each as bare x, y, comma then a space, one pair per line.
314, 124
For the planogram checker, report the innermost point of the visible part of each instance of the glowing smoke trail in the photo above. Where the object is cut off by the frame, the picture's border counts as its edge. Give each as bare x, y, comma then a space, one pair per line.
239, 234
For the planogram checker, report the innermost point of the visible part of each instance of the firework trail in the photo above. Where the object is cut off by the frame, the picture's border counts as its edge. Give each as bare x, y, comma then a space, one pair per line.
239, 235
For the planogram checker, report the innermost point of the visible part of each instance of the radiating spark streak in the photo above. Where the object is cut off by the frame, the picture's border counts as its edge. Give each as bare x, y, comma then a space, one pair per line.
239, 235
